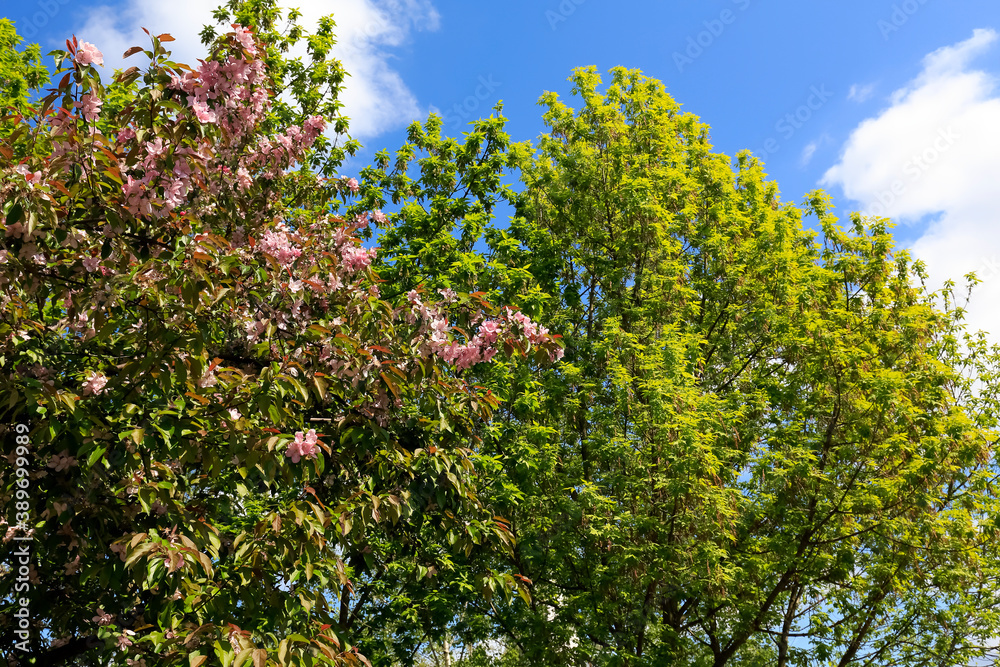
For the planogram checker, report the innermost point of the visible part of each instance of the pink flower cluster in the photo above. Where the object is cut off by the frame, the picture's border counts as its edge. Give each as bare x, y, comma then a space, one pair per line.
356, 258
228, 93
482, 347
141, 196
87, 54
231, 94
91, 106
32, 178
94, 384
103, 618
62, 461
535, 333
278, 245
245, 38
288, 147
304, 445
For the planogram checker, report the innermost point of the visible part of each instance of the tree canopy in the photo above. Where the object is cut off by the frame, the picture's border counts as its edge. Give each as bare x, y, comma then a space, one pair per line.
222, 429
652, 419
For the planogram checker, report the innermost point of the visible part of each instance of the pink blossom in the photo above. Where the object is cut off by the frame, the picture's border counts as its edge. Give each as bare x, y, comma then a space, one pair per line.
236, 71
245, 38
91, 105
243, 178
356, 257
255, 329
277, 245
314, 126
154, 149
16, 230
352, 185
61, 461
239, 237
182, 170
87, 53
185, 82
123, 640
91, 263
125, 135
32, 177
203, 113
102, 618
379, 217
489, 331
95, 384
304, 445
341, 236
466, 356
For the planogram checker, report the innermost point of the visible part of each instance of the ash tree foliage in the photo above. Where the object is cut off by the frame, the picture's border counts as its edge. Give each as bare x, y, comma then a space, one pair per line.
21, 71
226, 422
254, 438
763, 447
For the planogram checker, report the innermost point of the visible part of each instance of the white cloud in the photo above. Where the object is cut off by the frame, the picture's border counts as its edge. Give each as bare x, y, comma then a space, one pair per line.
809, 151
935, 153
375, 96
859, 93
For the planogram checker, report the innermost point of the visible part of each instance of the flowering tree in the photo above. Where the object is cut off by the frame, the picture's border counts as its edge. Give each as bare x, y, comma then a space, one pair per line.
219, 419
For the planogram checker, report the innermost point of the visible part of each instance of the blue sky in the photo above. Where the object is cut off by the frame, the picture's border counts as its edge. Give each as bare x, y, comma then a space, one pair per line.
889, 105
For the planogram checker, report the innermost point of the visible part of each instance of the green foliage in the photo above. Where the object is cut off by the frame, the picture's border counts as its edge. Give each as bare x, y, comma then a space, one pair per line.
763, 437
181, 313
763, 446
21, 71
22, 74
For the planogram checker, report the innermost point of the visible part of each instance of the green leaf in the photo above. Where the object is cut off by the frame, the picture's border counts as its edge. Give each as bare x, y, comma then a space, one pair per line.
15, 213
96, 455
